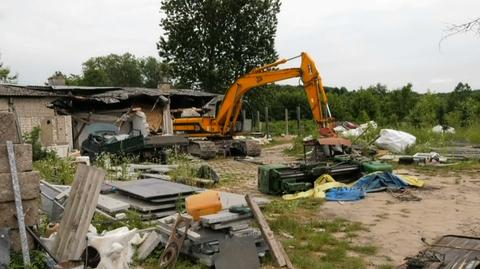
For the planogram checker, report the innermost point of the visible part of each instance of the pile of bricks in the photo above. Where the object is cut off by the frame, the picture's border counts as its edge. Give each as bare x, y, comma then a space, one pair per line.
28, 179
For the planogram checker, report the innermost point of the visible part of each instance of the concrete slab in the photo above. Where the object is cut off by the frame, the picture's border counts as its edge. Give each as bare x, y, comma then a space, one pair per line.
232, 199
141, 205
223, 216
111, 205
151, 188
150, 243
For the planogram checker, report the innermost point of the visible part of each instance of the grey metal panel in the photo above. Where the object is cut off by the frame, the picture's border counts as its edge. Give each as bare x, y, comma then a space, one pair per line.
457, 249
4, 247
238, 252
151, 188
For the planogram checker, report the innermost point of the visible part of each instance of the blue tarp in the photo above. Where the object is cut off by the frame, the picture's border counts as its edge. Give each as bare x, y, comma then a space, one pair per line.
379, 182
344, 194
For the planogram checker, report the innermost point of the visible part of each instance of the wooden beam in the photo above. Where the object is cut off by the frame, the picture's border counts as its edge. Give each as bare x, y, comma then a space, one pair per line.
276, 248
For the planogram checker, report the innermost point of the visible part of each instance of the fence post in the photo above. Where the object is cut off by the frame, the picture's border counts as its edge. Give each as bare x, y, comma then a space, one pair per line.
244, 117
286, 121
259, 124
267, 130
298, 120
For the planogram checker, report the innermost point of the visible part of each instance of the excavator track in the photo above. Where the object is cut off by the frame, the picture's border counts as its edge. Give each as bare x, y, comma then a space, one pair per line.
203, 149
251, 147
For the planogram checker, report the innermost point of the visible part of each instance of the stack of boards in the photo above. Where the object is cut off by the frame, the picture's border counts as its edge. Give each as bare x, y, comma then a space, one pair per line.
152, 198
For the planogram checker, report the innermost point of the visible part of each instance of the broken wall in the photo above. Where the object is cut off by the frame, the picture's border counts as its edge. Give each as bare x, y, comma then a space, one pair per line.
33, 112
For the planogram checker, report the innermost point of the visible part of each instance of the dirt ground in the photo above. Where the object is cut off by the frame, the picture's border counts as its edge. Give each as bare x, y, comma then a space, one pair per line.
449, 205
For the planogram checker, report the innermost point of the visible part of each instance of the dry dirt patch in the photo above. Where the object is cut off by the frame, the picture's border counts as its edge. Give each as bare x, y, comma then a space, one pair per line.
449, 205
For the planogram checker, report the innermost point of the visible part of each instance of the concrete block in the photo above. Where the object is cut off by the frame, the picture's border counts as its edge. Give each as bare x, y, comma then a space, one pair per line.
150, 243
29, 186
15, 244
8, 128
23, 157
9, 212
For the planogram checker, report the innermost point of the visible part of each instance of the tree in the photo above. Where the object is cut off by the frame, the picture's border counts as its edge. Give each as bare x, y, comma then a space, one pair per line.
6, 76
469, 26
459, 94
120, 70
153, 72
213, 42
425, 111
112, 70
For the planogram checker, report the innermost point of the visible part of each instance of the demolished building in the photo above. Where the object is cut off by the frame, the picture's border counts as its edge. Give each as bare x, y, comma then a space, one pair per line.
99, 110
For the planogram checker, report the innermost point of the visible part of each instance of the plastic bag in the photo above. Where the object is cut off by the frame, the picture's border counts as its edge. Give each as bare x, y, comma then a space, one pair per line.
395, 141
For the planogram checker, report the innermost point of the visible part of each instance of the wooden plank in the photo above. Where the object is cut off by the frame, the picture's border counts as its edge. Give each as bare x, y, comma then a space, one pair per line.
276, 248
81, 205
18, 204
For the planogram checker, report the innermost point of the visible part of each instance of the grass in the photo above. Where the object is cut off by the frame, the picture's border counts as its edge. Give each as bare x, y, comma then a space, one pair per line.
317, 243
37, 260
108, 161
152, 262
296, 148
133, 220
277, 128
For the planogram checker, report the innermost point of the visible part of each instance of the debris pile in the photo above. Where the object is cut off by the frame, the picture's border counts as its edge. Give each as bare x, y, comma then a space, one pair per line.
215, 239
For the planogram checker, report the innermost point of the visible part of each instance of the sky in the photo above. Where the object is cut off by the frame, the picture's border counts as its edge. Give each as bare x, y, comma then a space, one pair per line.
354, 43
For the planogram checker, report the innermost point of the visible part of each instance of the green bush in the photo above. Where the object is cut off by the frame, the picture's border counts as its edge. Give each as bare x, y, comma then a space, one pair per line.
38, 151
56, 170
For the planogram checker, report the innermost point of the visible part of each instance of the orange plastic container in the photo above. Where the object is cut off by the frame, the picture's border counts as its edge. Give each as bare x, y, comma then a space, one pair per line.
202, 204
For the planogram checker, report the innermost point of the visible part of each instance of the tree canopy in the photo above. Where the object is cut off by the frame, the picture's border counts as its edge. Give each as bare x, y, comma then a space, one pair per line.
120, 70
388, 107
6, 75
213, 42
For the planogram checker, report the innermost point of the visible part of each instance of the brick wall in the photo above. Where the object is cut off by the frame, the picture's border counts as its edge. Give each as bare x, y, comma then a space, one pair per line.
33, 112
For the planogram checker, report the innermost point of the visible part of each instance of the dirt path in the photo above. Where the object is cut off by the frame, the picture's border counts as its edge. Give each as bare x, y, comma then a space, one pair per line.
450, 205
241, 176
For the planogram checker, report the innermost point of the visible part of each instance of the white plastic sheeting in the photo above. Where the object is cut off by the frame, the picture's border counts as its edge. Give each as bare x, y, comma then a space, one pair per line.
395, 141
115, 247
358, 131
443, 129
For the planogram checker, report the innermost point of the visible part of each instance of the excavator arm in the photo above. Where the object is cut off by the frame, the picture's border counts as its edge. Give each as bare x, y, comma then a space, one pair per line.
224, 122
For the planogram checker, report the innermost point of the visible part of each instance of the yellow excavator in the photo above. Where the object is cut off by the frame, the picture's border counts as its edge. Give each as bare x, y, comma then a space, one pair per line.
218, 131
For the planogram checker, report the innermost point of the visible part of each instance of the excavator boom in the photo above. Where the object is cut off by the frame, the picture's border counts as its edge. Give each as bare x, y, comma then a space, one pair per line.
221, 127
224, 122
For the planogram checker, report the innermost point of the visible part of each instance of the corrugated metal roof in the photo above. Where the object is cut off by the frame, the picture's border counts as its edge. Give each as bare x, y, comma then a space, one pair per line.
104, 94
8, 90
